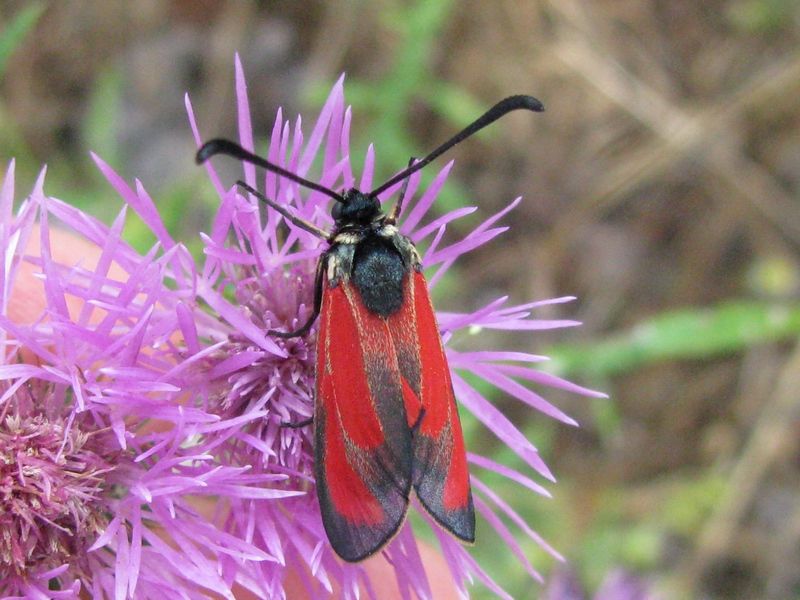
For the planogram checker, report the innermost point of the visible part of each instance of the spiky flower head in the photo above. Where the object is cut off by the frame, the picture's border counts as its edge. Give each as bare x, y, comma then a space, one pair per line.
174, 400
100, 483
52, 491
268, 266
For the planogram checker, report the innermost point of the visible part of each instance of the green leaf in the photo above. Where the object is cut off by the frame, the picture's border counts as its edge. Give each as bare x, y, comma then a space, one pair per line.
679, 335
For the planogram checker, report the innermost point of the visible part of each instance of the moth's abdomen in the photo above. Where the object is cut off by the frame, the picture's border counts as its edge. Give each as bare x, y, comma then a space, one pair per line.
378, 274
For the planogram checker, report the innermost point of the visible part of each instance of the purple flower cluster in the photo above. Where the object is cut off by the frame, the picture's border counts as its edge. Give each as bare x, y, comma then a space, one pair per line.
143, 446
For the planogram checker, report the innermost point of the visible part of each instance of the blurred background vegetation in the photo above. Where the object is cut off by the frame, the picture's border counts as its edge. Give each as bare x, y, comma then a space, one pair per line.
660, 187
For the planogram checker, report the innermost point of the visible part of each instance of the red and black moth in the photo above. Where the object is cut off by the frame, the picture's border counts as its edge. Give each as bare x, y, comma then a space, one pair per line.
385, 417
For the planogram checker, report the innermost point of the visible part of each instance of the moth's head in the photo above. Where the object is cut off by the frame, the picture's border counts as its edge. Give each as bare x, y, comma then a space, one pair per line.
356, 208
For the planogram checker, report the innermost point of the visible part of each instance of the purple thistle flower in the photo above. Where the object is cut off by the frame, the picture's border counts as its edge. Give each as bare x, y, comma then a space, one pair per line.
149, 403
51, 482
99, 474
271, 281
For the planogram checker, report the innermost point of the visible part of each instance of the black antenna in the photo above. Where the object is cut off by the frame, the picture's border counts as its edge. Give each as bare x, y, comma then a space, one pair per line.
229, 148
490, 116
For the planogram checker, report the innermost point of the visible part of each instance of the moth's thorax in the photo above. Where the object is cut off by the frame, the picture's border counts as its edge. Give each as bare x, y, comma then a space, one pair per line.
377, 259
349, 242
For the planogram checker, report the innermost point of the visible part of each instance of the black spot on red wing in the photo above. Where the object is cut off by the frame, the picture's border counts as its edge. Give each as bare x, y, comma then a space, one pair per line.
402, 325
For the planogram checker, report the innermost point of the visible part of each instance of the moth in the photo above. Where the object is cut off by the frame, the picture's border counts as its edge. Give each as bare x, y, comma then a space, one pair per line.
385, 417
